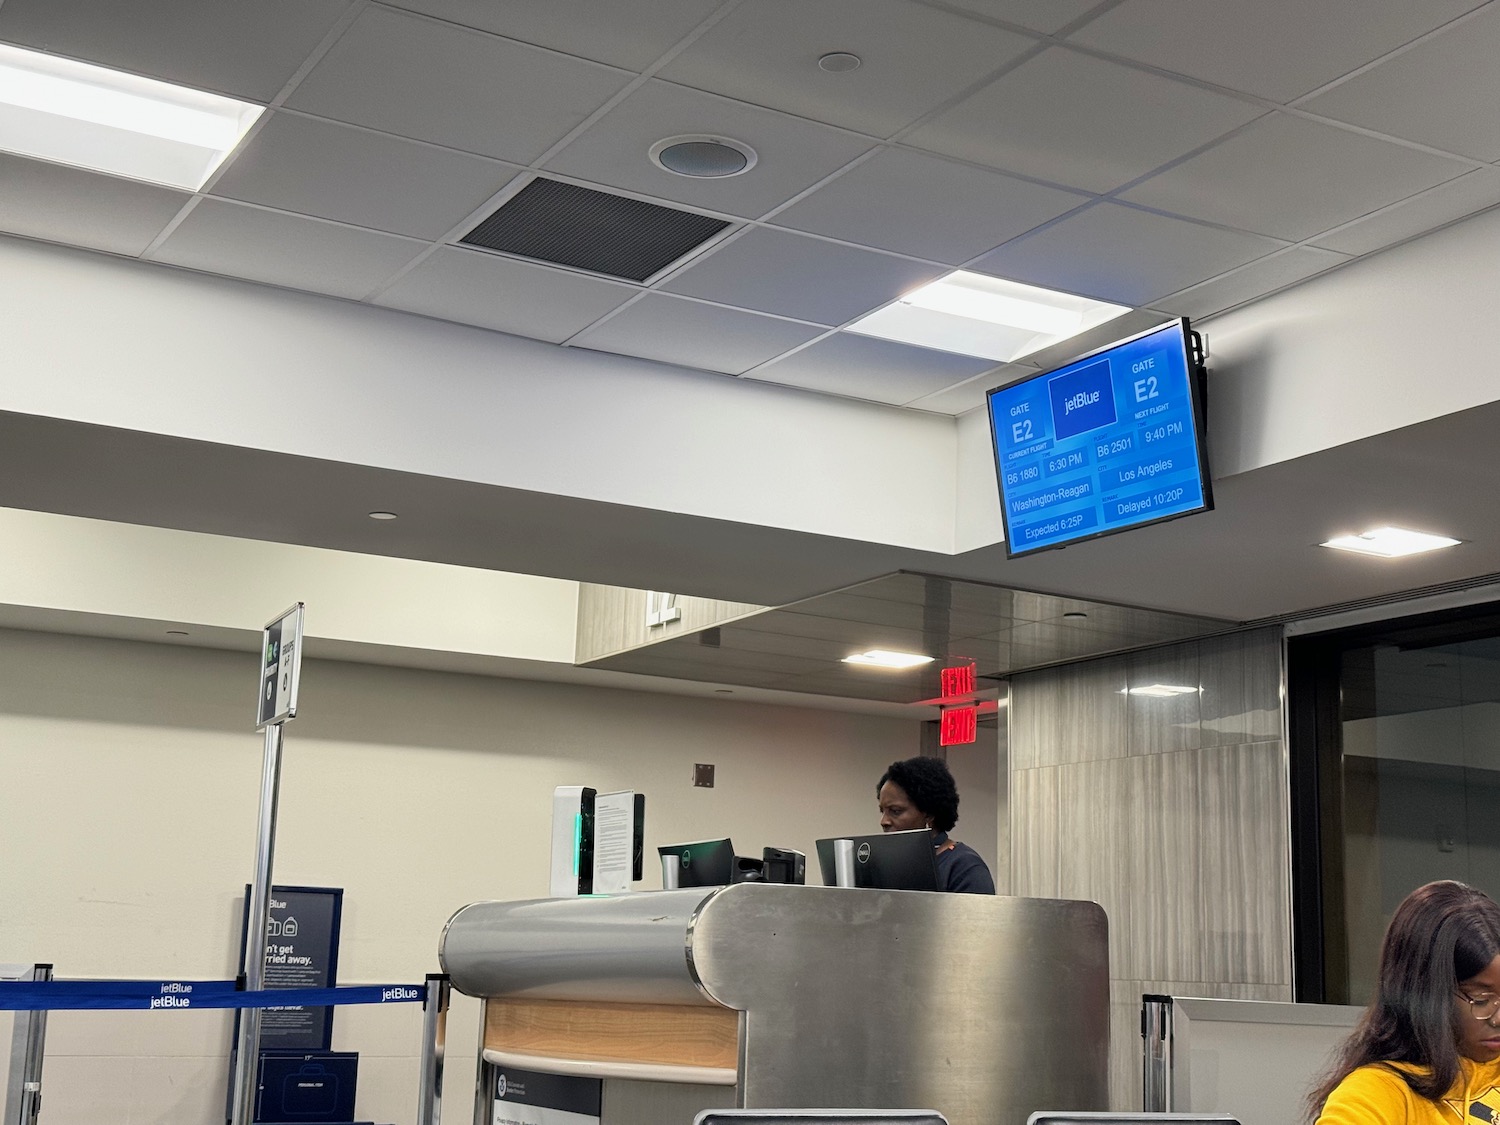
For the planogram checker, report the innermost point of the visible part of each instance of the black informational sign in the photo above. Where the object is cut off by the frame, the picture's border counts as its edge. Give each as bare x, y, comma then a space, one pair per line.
526, 1097
280, 668
302, 951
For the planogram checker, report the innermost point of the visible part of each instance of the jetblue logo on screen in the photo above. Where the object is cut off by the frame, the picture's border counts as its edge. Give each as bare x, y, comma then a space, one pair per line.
1082, 400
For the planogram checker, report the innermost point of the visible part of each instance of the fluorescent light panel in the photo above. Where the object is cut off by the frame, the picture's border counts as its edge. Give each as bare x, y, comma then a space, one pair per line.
88, 116
884, 658
1161, 691
989, 317
1390, 542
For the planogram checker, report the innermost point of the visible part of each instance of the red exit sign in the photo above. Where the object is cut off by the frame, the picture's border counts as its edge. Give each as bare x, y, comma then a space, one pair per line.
959, 726
958, 683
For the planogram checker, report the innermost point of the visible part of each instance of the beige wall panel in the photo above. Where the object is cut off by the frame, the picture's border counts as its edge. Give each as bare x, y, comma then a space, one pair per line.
612, 619
1246, 864
1171, 813
133, 773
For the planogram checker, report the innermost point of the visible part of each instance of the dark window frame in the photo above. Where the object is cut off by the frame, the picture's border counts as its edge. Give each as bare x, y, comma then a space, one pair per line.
1314, 666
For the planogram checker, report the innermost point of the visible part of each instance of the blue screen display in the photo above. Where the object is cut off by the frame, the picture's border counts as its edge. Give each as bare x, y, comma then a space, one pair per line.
1106, 443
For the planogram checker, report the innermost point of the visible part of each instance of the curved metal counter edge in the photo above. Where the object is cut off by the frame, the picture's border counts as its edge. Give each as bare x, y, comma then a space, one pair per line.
590, 1068
632, 948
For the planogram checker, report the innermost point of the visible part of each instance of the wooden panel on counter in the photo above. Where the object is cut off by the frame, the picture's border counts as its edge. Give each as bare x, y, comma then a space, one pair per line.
672, 1034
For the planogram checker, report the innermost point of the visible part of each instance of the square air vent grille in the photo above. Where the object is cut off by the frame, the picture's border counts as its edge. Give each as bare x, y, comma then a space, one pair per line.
592, 230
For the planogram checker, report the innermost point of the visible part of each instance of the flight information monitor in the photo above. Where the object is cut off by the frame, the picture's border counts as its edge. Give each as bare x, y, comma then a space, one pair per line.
1111, 441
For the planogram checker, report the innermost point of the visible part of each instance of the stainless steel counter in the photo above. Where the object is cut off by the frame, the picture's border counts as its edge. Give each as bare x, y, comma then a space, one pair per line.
985, 1008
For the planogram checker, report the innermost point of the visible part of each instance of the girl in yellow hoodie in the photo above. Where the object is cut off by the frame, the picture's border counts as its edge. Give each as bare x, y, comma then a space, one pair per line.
1427, 1050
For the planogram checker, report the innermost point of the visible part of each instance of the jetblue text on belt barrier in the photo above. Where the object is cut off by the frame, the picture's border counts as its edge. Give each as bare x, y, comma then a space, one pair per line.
179, 995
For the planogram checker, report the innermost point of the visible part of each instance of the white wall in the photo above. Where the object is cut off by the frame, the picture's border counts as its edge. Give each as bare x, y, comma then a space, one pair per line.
167, 351
230, 586
132, 782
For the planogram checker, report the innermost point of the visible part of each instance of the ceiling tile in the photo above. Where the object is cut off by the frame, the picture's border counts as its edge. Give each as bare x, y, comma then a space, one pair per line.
1080, 121
859, 637
692, 334
793, 154
433, 81
969, 395
1278, 49
491, 291
751, 640
241, 241
334, 171
1123, 255
912, 59
921, 205
1040, 15
250, 50
867, 368
1442, 92
79, 208
1291, 178
963, 397
630, 35
1455, 199
794, 275
1251, 281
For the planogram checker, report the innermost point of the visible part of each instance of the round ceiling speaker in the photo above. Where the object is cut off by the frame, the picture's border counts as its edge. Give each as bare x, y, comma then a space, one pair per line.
702, 157
839, 62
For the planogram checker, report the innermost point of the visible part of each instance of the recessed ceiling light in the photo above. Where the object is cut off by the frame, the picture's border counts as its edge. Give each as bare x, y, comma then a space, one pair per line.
105, 120
1390, 542
989, 317
382, 515
702, 157
883, 658
1161, 691
839, 62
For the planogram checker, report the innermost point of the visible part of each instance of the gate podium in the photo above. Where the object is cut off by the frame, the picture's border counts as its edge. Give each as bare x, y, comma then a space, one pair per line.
781, 996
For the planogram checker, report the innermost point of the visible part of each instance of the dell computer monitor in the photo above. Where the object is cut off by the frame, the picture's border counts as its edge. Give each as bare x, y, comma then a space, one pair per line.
703, 863
887, 861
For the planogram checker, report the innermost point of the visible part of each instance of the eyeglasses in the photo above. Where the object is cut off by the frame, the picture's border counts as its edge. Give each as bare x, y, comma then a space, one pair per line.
1484, 1008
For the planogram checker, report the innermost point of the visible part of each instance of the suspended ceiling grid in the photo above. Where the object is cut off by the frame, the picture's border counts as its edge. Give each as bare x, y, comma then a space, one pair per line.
1175, 156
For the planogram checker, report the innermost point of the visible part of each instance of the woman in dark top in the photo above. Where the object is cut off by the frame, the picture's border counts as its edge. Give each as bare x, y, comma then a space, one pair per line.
919, 793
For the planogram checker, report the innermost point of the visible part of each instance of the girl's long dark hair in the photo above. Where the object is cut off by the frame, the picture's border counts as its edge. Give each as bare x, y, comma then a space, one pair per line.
1442, 934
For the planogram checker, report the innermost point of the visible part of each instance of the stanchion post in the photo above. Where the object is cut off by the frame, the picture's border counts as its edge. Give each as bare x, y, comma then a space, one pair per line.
1156, 1053
434, 1037
248, 1048
276, 703
26, 1107
484, 1083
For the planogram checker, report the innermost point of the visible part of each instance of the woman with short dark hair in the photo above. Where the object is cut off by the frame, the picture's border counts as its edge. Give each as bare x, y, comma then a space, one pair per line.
920, 793
1427, 1050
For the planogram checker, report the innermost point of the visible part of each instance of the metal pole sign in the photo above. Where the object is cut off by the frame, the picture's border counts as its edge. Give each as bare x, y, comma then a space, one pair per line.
280, 668
280, 675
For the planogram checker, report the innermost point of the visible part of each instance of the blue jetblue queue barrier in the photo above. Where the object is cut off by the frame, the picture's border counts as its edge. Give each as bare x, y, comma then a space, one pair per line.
57, 995
198, 995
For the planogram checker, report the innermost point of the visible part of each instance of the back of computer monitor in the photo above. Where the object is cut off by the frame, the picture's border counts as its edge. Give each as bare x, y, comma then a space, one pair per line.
889, 861
783, 865
702, 863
